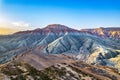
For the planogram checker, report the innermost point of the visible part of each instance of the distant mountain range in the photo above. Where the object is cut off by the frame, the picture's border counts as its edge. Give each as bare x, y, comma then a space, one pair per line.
57, 43
112, 32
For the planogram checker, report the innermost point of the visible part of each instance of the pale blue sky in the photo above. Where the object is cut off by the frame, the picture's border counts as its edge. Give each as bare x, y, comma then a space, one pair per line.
73, 13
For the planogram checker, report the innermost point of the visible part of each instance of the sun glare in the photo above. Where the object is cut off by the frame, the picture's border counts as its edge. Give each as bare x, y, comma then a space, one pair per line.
5, 31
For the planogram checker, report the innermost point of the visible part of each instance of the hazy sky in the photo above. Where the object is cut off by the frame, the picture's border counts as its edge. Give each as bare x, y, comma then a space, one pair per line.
30, 14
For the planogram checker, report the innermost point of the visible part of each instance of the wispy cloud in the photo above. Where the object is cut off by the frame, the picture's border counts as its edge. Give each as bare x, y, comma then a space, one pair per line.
9, 27
21, 24
4, 31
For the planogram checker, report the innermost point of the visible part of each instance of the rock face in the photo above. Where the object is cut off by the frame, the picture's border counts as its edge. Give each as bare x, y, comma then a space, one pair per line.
94, 46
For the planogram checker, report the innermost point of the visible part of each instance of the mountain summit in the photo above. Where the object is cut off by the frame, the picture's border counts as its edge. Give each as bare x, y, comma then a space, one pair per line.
56, 26
52, 28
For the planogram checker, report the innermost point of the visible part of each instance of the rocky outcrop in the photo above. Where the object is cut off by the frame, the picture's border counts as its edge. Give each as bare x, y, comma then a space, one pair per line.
104, 32
60, 71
